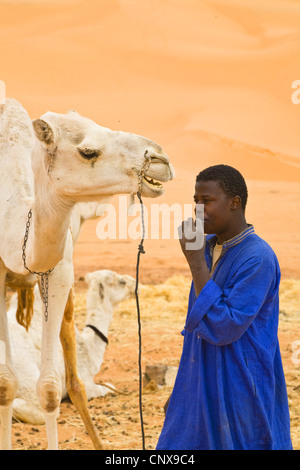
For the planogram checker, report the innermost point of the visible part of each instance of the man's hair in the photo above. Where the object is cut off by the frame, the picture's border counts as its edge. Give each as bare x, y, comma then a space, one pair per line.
229, 179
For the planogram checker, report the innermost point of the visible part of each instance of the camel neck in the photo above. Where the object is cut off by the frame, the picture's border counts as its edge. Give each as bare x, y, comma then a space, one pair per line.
49, 223
99, 315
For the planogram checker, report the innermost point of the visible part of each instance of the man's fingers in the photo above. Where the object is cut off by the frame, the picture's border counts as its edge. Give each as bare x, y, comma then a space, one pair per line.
189, 228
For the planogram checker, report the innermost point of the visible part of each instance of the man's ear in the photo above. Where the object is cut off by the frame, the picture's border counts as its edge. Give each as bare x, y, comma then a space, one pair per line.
43, 131
236, 202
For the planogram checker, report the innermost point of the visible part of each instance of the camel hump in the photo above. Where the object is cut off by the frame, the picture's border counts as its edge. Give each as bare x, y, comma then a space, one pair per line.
17, 140
15, 127
16, 144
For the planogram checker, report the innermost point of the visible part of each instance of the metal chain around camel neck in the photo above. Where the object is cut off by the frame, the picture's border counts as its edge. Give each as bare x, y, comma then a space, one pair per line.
43, 275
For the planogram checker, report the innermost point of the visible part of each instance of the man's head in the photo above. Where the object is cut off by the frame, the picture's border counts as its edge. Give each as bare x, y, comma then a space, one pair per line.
223, 191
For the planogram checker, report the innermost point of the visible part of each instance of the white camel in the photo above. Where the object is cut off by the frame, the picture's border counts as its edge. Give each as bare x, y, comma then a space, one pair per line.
26, 344
105, 290
81, 212
47, 166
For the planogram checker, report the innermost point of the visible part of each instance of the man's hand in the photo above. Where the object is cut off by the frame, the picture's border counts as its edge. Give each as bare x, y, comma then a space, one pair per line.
192, 242
191, 236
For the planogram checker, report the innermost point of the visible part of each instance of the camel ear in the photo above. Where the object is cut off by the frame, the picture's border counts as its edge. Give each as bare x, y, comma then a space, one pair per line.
88, 277
43, 131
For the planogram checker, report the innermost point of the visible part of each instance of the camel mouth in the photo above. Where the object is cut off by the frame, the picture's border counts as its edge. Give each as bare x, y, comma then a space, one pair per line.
153, 178
151, 187
153, 183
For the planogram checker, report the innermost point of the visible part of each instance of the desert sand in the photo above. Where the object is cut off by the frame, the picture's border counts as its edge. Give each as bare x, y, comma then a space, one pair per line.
212, 82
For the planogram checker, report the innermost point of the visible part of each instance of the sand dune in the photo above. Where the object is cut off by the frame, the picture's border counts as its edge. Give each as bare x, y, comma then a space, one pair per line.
159, 67
212, 82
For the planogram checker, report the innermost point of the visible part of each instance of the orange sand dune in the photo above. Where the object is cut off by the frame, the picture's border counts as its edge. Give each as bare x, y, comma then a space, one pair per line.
211, 81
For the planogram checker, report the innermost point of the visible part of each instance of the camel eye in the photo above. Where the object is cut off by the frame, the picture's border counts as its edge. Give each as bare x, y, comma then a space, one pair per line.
89, 154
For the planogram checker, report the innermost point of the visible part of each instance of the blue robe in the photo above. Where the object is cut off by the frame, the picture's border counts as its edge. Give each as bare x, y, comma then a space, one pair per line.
230, 391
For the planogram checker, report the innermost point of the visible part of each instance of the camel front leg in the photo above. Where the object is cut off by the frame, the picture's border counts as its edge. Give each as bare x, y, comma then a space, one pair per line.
49, 386
8, 382
8, 389
75, 386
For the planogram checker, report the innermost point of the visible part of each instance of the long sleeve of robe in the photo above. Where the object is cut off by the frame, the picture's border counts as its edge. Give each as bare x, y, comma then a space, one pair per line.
230, 391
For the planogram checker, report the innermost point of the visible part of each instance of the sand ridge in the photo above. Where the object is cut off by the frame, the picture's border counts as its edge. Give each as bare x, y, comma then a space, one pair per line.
211, 82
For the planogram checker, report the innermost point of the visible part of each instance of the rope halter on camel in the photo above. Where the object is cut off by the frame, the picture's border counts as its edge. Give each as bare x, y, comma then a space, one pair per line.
145, 167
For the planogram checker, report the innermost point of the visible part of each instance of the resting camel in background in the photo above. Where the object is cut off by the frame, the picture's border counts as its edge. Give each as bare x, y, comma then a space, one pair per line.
105, 290
46, 167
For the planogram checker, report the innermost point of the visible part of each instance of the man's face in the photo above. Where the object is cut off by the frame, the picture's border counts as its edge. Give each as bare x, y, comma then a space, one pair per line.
217, 206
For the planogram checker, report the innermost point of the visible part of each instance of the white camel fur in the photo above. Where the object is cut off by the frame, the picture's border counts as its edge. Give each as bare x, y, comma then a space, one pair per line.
47, 166
26, 345
105, 290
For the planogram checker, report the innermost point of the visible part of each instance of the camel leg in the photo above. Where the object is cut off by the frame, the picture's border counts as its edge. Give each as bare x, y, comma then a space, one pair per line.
8, 382
75, 386
49, 386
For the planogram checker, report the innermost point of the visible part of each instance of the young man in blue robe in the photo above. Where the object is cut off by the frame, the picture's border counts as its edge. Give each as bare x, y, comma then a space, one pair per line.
230, 391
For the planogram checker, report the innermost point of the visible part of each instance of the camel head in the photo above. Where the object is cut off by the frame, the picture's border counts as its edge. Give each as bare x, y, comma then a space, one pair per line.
109, 285
86, 161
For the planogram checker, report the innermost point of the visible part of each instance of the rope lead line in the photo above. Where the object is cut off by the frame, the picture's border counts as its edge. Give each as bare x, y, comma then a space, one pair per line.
140, 250
141, 173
